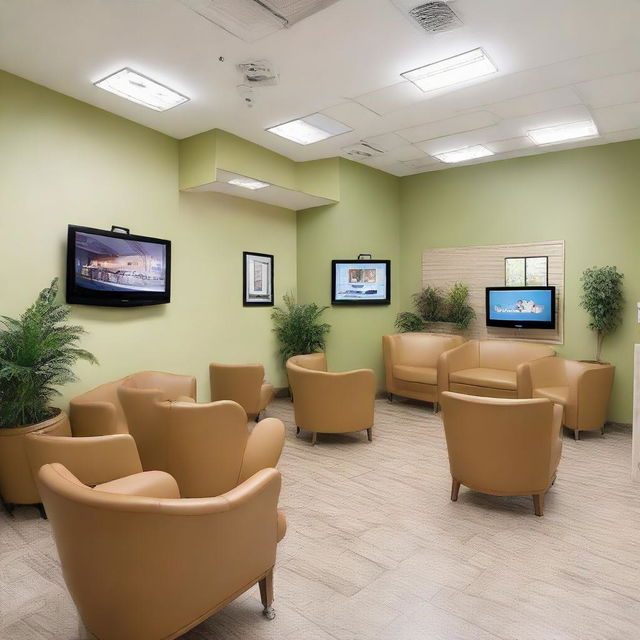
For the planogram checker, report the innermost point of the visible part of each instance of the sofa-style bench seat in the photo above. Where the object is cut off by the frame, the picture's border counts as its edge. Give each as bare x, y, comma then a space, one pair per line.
492, 368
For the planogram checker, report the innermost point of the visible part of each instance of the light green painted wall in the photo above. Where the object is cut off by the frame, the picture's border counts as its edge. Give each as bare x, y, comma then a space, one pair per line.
364, 221
63, 162
589, 197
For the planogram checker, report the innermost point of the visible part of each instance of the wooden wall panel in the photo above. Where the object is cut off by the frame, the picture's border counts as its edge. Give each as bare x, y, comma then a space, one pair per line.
481, 267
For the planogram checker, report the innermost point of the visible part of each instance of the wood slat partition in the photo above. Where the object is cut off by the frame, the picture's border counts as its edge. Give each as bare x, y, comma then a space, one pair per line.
481, 267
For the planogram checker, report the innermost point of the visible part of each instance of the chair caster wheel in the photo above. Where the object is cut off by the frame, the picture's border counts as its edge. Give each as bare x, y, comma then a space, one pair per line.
269, 613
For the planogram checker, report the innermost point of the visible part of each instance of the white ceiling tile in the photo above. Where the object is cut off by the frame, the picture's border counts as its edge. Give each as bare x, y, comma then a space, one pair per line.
440, 128
352, 114
407, 152
518, 127
535, 103
619, 89
391, 98
618, 118
621, 136
386, 141
421, 164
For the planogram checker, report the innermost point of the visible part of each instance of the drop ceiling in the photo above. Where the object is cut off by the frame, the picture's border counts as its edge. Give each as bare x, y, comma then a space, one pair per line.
557, 62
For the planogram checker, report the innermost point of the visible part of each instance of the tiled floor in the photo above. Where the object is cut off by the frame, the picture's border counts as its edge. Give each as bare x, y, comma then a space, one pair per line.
375, 549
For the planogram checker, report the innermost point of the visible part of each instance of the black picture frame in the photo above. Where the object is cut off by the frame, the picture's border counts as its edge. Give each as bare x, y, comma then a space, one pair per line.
524, 324
336, 302
526, 260
249, 296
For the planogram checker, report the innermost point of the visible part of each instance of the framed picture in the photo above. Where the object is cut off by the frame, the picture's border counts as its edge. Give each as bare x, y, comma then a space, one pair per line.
526, 272
257, 278
365, 282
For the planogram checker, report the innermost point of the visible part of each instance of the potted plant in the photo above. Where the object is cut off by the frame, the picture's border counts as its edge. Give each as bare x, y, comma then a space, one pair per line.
37, 352
603, 299
408, 322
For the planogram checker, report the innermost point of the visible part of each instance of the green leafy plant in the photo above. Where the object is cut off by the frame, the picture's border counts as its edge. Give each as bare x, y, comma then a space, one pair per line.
603, 299
37, 352
298, 329
459, 311
407, 322
429, 303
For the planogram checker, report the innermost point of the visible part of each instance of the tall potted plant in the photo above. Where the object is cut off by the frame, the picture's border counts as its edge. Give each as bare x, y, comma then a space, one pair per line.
603, 299
37, 352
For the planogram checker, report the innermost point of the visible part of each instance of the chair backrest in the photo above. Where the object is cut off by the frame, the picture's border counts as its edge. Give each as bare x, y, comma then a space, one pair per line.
421, 349
508, 354
500, 445
313, 361
200, 445
240, 383
172, 385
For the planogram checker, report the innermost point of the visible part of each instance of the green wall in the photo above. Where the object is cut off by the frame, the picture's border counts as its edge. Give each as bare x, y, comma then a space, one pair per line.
588, 197
64, 162
364, 221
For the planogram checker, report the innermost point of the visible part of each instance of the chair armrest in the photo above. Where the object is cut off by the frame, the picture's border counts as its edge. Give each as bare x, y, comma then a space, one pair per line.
152, 484
263, 449
388, 354
556, 439
93, 460
94, 419
465, 356
590, 387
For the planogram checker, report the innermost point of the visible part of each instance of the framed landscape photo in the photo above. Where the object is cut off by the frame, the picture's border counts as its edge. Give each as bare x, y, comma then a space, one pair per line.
257, 278
526, 272
514, 272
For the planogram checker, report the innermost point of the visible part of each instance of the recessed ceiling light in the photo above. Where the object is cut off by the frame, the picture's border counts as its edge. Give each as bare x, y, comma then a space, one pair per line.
249, 183
564, 132
462, 155
310, 129
133, 86
460, 68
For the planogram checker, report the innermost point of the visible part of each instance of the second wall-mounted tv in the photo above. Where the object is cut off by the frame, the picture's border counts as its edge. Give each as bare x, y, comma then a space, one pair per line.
112, 269
521, 307
360, 282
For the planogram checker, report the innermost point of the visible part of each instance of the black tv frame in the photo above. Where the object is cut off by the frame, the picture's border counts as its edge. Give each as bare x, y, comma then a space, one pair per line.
365, 303
83, 295
524, 324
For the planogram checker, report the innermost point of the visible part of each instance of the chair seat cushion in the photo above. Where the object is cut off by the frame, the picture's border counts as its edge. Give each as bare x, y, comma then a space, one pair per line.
424, 375
149, 484
559, 395
481, 377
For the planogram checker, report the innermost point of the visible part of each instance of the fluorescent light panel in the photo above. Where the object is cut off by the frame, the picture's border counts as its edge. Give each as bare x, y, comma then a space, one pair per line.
249, 183
564, 132
133, 86
454, 70
310, 129
462, 155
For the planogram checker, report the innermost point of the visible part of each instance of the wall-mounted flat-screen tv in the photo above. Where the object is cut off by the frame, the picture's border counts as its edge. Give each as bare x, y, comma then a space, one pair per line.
112, 269
361, 282
521, 307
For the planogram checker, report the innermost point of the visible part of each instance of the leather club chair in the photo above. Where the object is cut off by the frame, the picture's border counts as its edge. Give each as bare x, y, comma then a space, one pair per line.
503, 447
411, 363
326, 402
582, 388
242, 383
141, 563
492, 368
206, 447
98, 412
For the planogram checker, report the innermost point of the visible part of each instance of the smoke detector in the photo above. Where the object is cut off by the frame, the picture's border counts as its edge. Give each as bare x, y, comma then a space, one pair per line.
433, 17
361, 151
258, 73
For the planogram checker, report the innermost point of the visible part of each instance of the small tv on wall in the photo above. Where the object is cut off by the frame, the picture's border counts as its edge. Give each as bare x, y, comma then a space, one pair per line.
521, 307
365, 282
111, 269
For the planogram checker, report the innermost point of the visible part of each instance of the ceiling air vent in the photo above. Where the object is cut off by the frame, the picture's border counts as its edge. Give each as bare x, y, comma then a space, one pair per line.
361, 151
251, 20
258, 73
434, 17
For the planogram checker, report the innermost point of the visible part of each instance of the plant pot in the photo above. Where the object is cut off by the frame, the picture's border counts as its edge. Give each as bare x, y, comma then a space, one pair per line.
17, 485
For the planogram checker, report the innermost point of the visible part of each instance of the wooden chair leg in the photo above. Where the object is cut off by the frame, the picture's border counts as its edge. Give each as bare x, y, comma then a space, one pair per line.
297, 431
370, 434
576, 434
390, 397
314, 437
266, 595
257, 418
538, 503
436, 407
455, 489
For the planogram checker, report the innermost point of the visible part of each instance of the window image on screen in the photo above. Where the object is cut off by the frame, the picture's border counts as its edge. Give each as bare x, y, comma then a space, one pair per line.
358, 281
103, 263
527, 307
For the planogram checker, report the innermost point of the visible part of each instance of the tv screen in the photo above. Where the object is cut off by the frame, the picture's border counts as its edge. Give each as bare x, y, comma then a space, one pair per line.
361, 282
521, 307
106, 268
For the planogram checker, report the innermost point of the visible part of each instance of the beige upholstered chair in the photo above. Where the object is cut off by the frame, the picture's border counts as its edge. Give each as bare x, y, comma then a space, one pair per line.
142, 564
493, 368
503, 447
330, 402
582, 388
98, 412
411, 363
242, 383
206, 447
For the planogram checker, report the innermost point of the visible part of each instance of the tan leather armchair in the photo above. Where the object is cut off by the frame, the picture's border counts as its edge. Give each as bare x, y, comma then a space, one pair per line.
502, 447
98, 412
206, 447
242, 383
493, 368
582, 388
326, 402
411, 363
143, 564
